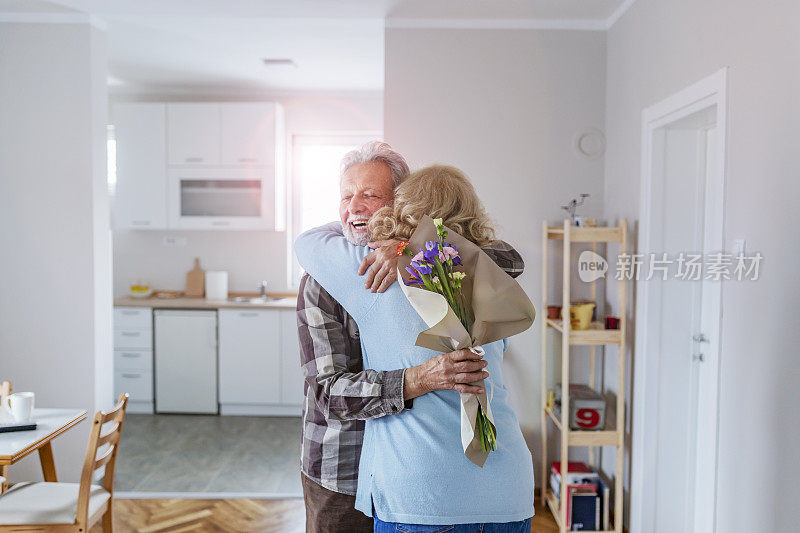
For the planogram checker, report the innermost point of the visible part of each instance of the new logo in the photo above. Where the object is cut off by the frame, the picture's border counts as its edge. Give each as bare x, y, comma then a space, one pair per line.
591, 266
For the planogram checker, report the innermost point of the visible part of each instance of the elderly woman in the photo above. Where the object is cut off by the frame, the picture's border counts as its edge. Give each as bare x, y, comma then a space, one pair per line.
413, 474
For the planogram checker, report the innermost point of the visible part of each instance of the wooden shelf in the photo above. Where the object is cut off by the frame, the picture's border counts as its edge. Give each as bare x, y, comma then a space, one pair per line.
586, 234
552, 503
593, 337
577, 437
596, 335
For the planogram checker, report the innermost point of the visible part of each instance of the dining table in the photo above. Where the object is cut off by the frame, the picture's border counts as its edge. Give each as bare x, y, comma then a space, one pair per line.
50, 423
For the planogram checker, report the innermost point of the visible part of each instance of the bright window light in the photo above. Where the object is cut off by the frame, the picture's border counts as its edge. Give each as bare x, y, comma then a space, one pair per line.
318, 181
315, 182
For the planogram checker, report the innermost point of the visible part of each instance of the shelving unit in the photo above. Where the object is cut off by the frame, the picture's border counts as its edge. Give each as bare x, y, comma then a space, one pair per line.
614, 432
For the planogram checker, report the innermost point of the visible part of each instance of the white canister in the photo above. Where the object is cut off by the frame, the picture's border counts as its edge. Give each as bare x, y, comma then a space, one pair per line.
216, 285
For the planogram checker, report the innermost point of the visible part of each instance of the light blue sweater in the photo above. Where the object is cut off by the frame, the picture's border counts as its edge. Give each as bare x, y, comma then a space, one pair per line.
412, 467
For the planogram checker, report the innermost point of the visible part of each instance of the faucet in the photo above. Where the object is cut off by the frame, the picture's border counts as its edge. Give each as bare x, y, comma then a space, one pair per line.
262, 289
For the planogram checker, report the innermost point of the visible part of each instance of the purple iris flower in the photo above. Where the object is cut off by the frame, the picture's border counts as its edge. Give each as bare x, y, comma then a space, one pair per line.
414, 280
430, 253
422, 268
457, 260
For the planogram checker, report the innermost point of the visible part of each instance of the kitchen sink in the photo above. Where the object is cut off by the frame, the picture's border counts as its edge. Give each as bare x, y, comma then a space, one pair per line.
252, 299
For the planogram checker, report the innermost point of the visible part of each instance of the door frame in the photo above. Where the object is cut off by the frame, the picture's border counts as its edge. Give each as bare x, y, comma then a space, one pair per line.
706, 93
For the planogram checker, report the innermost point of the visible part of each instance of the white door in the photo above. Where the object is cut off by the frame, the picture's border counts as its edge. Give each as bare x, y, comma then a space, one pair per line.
678, 317
249, 356
193, 133
248, 133
682, 231
186, 361
291, 372
140, 133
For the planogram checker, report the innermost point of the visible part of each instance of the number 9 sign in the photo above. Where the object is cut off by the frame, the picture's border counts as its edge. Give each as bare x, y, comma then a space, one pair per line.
587, 418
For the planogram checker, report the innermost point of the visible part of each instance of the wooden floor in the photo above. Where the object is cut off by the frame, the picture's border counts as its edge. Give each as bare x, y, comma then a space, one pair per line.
234, 516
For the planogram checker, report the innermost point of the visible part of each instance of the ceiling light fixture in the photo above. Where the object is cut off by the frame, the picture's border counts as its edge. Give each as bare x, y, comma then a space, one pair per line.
279, 62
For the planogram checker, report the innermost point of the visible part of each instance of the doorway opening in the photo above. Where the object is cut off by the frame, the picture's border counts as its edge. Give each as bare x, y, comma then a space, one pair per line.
675, 421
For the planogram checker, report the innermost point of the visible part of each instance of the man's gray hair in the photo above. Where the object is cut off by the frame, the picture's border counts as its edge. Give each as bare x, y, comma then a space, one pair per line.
377, 151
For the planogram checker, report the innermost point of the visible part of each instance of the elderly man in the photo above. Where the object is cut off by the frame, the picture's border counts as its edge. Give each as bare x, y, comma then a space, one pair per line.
339, 393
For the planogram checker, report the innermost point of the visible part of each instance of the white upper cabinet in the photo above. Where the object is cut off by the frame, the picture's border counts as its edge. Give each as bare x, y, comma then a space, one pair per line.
193, 134
213, 165
248, 133
141, 192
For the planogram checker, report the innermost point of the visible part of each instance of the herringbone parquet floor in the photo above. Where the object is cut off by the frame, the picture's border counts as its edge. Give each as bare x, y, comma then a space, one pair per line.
233, 516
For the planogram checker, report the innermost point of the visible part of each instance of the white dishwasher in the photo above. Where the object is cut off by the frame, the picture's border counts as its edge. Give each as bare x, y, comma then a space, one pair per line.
186, 361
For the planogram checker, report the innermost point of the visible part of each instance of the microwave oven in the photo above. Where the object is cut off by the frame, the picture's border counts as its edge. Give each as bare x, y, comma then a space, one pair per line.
222, 198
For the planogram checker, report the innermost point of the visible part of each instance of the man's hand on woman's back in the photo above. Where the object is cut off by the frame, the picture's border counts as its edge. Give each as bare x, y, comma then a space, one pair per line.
380, 266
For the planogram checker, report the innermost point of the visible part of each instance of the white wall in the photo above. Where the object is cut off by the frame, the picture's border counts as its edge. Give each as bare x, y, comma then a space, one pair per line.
504, 106
657, 48
55, 312
248, 256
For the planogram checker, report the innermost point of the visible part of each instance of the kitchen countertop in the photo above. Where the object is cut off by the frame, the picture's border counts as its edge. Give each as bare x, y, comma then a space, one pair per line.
202, 303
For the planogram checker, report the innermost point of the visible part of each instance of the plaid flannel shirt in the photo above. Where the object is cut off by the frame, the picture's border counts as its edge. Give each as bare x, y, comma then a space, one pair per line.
339, 393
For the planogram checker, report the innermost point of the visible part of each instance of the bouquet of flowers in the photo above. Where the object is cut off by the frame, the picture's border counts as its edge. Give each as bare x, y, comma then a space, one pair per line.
467, 301
433, 268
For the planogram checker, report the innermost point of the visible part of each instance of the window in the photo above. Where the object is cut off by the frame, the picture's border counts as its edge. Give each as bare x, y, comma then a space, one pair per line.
315, 183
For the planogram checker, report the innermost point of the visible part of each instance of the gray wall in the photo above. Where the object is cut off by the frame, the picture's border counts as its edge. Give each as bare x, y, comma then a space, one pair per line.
657, 48
55, 312
505, 107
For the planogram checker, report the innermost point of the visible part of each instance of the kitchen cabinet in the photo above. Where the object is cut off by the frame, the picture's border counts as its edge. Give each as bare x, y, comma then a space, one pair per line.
185, 361
141, 189
193, 133
213, 165
235, 361
248, 133
133, 357
291, 371
250, 361
259, 362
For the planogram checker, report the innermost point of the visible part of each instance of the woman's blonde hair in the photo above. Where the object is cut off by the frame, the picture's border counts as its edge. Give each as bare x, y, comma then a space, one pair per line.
439, 191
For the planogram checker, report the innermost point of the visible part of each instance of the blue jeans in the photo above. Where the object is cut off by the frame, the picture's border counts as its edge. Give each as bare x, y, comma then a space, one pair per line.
505, 527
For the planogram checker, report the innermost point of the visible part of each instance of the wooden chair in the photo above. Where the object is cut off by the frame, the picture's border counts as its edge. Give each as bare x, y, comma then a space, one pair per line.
5, 392
70, 507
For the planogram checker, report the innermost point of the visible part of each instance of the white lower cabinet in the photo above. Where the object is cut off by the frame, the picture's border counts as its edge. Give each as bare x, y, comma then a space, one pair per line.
258, 361
133, 357
186, 361
251, 364
138, 384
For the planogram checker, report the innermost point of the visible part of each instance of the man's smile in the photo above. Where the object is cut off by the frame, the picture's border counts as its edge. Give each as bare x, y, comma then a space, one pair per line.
359, 225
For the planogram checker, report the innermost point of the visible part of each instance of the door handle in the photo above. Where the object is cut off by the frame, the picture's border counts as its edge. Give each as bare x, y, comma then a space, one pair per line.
698, 357
700, 338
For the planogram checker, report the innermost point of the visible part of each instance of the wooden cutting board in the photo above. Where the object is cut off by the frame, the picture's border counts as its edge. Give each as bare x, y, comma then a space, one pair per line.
196, 281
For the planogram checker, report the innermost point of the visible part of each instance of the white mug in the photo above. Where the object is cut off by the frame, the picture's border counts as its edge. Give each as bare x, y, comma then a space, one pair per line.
20, 404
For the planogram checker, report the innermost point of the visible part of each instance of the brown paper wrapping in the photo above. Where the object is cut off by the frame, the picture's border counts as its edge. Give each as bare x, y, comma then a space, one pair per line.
500, 306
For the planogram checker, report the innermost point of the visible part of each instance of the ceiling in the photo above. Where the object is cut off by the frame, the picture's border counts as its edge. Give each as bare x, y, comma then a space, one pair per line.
218, 45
